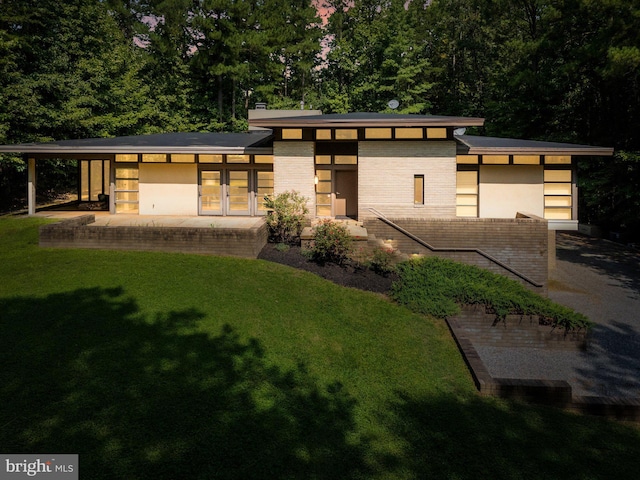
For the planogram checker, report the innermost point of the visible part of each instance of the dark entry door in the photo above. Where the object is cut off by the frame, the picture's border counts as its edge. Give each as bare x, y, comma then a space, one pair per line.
346, 194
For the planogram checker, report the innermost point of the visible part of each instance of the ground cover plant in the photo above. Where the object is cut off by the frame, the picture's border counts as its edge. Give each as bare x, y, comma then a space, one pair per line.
164, 366
437, 286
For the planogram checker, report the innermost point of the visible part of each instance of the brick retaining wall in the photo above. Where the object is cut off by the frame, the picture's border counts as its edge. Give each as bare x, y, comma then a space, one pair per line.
78, 233
520, 243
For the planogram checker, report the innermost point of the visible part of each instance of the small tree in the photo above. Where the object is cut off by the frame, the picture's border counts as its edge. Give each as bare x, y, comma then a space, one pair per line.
285, 217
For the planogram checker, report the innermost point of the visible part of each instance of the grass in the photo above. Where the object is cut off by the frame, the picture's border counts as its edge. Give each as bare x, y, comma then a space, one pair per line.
153, 365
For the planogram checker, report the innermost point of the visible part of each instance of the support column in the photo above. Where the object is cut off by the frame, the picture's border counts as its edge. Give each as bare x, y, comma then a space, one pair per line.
31, 185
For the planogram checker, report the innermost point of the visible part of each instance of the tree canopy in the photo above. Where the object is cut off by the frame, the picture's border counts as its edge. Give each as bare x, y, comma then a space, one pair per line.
563, 70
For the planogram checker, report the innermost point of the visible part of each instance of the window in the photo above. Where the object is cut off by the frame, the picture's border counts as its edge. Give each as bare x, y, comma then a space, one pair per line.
323, 193
558, 200
154, 157
126, 189
128, 157
323, 134
495, 159
263, 158
418, 189
377, 133
409, 133
526, 159
467, 159
292, 134
238, 158
467, 193
183, 158
557, 159
347, 134
440, 133
210, 158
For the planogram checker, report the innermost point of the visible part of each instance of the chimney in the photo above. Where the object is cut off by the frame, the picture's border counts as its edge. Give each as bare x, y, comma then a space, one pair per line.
261, 106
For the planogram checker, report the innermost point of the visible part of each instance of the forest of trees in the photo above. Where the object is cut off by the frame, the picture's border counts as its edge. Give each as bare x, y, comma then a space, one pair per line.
559, 70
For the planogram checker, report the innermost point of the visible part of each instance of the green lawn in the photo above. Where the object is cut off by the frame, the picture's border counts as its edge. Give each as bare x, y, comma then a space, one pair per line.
164, 366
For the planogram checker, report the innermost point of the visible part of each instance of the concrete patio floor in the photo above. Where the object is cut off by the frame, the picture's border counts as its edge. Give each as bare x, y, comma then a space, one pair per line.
105, 219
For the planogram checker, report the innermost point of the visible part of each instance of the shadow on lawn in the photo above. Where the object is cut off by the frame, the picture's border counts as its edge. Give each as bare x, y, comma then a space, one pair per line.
84, 372
476, 438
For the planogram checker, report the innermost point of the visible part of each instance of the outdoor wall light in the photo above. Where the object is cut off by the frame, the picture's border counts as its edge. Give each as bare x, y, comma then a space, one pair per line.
315, 179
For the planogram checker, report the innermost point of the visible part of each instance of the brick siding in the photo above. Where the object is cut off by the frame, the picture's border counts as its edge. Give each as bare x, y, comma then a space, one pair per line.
78, 233
520, 243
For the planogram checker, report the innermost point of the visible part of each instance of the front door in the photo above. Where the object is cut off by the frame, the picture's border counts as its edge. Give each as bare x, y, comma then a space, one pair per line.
346, 203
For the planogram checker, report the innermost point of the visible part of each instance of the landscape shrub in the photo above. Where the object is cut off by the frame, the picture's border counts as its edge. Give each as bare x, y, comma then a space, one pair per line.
286, 213
437, 287
330, 242
381, 261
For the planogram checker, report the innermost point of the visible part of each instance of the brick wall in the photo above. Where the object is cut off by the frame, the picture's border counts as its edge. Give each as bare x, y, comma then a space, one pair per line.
78, 233
294, 169
520, 243
385, 178
516, 331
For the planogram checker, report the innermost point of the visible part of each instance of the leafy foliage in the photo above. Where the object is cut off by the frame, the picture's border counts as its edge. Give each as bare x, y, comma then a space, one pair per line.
285, 217
381, 261
437, 286
331, 242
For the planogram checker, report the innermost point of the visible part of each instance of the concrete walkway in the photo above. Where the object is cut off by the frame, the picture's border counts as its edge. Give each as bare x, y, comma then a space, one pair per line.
600, 279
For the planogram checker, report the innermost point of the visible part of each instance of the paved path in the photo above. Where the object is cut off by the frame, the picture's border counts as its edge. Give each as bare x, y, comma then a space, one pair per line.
600, 279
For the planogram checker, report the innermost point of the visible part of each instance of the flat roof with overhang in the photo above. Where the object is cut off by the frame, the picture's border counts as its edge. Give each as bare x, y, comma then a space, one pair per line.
476, 145
216, 143
351, 120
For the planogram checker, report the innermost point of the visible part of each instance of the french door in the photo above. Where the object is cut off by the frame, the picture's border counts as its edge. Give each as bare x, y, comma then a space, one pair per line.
233, 192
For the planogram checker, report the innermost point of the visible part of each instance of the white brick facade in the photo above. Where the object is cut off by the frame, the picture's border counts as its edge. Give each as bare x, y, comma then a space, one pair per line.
386, 178
294, 169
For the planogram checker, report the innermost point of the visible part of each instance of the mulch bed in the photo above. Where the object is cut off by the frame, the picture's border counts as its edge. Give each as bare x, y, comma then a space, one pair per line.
351, 275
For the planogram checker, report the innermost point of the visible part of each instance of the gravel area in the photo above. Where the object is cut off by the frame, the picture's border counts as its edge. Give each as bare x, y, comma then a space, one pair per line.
600, 279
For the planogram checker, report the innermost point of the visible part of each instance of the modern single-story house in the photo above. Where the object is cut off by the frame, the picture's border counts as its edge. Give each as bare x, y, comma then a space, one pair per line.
407, 166
415, 181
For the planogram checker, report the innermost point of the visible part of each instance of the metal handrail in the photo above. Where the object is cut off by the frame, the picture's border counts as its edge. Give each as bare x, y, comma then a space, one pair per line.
489, 257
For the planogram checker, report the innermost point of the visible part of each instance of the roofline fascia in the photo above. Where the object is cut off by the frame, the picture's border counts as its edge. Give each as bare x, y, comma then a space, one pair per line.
579, 151
358, 122
49, 150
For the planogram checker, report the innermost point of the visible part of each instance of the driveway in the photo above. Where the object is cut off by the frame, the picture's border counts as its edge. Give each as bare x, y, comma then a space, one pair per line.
600, 279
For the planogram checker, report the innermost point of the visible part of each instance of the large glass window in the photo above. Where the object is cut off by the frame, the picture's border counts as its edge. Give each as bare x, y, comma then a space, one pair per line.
126, 189
323, 193
558, 200
467, 193
94, 179
264, 187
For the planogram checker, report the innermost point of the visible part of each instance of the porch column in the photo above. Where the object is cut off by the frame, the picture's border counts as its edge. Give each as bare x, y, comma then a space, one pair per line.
31, 185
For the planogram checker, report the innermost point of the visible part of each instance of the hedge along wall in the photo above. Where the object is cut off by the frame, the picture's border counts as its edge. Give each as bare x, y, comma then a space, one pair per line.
520, 243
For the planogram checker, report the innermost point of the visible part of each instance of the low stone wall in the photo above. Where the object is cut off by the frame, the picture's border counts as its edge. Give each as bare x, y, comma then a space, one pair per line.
516, 331
519, 243
556, 393
78, 233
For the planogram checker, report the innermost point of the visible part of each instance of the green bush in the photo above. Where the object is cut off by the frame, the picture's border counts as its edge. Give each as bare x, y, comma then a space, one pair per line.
285, 216
381, 261
437, 287
331, 242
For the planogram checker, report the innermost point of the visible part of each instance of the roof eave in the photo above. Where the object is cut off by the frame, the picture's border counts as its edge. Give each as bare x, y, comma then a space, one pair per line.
579, 151
51, 150
376, 122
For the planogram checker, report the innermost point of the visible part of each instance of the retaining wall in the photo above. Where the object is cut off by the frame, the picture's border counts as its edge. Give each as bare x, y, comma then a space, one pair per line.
520, 243
79, 233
